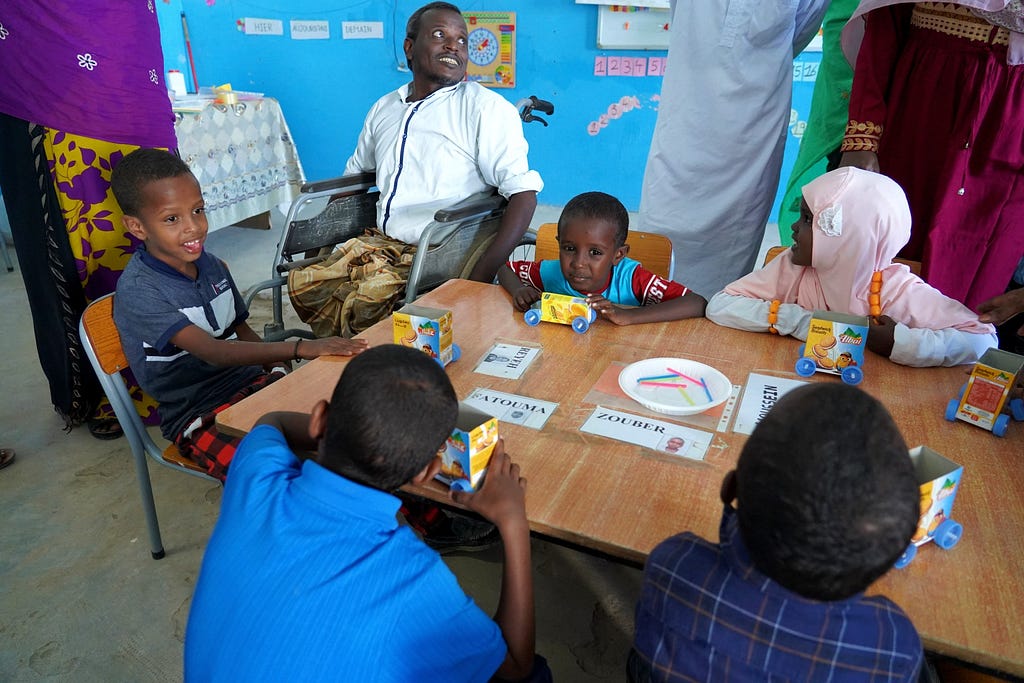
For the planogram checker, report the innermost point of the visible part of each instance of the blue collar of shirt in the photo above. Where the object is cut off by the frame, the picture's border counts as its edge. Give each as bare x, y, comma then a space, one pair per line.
348, 497
738, 557
156, 264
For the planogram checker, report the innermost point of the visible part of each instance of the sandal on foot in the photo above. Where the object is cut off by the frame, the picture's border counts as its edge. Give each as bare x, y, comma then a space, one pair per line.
6, 455
105, 428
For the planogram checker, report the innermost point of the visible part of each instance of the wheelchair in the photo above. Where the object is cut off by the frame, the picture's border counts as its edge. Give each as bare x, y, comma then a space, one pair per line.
327, 213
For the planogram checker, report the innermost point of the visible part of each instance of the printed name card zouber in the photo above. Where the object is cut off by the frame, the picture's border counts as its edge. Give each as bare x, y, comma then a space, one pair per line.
665, 437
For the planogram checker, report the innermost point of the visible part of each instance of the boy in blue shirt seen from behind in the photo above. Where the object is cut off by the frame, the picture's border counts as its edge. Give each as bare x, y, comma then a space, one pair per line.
593, 263
309, 576
181, 317
826, 502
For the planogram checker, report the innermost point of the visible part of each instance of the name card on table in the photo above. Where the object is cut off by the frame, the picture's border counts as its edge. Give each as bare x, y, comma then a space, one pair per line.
759, 396
512, 409
665, 437
507, 360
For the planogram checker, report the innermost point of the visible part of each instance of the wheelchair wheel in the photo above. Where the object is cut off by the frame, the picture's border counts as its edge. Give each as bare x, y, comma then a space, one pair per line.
532, 317
852, 375
580, 324
907, 557
948, 534
951, 409
805, 367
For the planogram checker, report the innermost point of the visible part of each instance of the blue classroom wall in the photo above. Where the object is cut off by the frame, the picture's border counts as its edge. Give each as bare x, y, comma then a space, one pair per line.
325, 87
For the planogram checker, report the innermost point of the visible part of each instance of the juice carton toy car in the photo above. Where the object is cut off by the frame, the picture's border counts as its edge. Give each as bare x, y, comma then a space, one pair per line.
939, 479
987, 392
426, 329
835, 344
466, 454
562, 308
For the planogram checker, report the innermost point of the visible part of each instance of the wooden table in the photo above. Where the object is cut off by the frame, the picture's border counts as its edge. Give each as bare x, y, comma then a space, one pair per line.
622, 499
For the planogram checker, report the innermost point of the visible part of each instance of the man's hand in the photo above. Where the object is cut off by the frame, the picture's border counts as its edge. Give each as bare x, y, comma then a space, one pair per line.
861, 159
999, 309
882, 335
502, 498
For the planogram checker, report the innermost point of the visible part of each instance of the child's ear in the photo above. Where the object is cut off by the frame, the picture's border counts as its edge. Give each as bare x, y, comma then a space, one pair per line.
620, 253
428, 472
318, 420
134, 226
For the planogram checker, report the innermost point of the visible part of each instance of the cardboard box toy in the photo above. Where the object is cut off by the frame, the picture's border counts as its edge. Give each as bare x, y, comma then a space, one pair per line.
426, 329
939, 479
466, 454
562, 308
836, 341
989, 386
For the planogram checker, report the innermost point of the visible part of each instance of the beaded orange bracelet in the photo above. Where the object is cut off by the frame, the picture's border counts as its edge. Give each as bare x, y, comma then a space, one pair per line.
773, 316
874, 300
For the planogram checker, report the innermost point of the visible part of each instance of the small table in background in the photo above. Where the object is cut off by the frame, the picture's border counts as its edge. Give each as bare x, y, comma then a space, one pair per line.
242, 155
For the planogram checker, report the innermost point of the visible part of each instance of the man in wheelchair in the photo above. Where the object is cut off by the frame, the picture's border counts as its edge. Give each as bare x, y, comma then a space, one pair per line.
431, 143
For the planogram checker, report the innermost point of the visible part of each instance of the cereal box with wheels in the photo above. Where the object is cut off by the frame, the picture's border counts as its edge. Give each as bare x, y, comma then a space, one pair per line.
426, 329
987, 399
562, 309
467, 452
939, 479
835, 344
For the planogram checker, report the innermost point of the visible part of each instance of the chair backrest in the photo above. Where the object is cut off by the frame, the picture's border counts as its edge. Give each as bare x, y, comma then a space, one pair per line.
652, 250
102, 344
915, 266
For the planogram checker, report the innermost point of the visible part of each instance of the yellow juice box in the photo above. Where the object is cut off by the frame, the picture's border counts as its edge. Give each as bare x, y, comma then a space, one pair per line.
562, 308
426, 329
989, 386
939, 479
836, 341
466, 454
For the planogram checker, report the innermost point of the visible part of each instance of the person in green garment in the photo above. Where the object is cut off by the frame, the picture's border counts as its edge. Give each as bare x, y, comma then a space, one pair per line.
819, 146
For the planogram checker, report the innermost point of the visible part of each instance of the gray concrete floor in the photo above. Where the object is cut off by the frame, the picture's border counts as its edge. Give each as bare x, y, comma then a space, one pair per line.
80, 597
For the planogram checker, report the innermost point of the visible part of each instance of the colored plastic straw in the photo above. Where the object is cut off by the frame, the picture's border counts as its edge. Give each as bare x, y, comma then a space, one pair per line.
656, 378
679, 374
706, 390
686, 396
661, 384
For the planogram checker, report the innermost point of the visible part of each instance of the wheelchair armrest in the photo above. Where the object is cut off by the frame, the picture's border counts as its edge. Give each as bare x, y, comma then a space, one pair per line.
356, 181
250, 294
471, 206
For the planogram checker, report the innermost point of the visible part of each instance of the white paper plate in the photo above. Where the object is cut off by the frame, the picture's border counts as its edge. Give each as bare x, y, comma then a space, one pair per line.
669, 400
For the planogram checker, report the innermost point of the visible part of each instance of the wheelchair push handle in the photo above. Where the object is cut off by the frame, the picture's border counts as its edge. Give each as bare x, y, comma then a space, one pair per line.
532, 103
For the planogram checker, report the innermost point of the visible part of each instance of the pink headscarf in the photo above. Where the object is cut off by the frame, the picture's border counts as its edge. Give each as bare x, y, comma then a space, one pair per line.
853, 32
861, 221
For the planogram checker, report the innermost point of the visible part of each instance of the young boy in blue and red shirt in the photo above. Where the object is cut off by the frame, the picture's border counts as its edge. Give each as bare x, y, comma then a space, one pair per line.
826, 501
593, 263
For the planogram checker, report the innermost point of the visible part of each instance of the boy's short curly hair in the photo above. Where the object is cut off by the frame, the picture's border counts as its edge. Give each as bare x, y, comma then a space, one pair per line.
827, 494
139, 168
601, 206
391, 411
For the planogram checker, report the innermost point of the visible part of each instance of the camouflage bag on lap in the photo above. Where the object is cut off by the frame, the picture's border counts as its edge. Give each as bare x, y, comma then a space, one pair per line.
354, 287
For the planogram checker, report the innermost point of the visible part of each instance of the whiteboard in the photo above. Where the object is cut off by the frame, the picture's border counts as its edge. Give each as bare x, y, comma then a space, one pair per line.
626, 27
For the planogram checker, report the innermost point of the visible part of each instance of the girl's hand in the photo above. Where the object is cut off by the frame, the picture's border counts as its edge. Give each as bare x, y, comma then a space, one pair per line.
882, 335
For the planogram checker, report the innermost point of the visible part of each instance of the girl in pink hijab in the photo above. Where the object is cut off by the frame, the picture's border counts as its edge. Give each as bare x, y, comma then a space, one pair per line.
852, 224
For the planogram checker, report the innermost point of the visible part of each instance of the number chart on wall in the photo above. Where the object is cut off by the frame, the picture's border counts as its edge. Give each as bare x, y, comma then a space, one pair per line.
492, 48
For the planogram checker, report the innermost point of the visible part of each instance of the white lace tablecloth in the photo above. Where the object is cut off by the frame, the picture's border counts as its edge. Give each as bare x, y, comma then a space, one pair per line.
243, 157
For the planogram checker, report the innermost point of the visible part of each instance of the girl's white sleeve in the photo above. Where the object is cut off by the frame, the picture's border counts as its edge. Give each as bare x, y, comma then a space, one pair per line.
922, 348
746, 313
